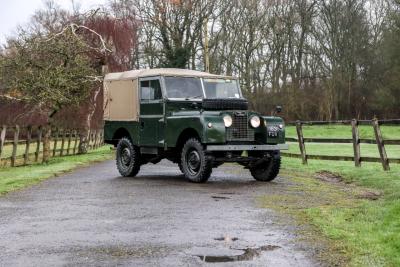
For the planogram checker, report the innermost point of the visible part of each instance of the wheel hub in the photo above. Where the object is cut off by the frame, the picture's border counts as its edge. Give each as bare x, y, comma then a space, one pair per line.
126, 156
193, 161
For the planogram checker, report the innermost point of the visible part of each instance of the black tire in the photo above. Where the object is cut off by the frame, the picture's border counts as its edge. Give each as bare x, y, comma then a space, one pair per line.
269, 170
225, 104
196, 166
128, 158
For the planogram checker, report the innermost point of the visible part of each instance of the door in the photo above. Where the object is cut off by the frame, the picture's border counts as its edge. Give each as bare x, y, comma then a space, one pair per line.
151, 112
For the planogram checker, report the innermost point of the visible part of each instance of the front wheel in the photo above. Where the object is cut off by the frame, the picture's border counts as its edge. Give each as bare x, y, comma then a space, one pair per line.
128, 158
268, 170
195, 165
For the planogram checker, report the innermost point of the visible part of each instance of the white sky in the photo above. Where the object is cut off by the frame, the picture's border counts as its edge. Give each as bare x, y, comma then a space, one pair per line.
17, 12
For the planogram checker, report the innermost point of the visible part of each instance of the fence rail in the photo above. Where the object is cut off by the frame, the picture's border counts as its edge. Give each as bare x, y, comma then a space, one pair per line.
355, 141
347, 122
25, 145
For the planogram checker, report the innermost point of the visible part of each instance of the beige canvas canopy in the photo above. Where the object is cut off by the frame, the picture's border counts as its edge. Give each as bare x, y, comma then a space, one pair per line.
134, 74
121, 96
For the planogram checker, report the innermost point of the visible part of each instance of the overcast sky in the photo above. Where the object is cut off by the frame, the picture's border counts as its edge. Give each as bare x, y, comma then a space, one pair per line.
15, 12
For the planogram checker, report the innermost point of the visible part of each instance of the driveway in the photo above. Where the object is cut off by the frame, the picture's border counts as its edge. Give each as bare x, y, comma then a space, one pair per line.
94, 217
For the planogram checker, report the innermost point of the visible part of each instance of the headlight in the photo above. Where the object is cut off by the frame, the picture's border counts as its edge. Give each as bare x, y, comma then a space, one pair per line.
228, 121
255, 121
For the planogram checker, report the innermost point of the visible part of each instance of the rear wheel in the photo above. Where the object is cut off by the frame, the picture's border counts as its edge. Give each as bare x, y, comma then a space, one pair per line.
268, 170
195, 165
128, 158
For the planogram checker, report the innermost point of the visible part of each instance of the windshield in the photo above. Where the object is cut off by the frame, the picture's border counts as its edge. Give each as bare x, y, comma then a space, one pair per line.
221, 88
183, 87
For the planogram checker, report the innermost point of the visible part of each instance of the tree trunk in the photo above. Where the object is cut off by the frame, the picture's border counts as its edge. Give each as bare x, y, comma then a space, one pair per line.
83, 142
84, 136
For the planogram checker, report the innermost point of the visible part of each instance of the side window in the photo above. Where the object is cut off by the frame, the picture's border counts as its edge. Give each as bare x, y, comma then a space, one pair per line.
155, 84
150, 90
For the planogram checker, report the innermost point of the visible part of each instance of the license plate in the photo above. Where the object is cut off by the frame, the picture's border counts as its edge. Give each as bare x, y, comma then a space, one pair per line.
272, 134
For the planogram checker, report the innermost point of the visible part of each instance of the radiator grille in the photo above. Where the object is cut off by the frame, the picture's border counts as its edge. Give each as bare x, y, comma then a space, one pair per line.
240, 129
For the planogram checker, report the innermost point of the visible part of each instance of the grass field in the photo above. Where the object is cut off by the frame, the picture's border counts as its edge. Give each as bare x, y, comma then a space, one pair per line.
366, 231
344, 131
341, 131
20, 177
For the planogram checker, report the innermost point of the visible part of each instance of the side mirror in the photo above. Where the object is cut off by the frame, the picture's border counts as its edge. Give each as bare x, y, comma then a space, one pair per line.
278, 109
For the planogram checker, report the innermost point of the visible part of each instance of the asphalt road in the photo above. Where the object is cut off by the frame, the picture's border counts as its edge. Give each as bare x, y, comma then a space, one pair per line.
94, 217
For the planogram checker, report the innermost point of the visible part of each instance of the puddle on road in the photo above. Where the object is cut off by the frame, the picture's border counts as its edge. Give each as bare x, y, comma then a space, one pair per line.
247, 254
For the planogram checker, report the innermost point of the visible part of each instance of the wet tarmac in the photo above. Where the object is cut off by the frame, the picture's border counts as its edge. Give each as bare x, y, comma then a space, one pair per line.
94, 217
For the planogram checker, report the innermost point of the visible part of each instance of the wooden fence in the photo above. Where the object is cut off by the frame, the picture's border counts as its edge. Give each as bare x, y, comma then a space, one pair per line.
355, 141
25, 145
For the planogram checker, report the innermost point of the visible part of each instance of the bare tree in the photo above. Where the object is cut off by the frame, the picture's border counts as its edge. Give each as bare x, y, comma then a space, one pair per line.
176, 26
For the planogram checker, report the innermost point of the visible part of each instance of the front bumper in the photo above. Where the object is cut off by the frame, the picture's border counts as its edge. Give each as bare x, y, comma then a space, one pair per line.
247, 147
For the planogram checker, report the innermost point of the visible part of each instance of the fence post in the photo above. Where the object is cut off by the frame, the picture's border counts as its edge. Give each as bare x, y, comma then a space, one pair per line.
89, 139
302, 146
76, 141
101, 137
46, 144
69, 141
381, 145
55, 142
356, 143
2, 138
38, 141
92, 135
15, 146
96, 140
28, 144
62, 142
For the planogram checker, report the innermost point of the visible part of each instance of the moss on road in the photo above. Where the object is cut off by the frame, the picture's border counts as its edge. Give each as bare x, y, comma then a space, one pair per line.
19, 177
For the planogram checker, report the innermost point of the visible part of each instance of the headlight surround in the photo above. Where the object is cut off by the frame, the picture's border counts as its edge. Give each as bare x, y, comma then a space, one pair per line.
228, 121
255, 121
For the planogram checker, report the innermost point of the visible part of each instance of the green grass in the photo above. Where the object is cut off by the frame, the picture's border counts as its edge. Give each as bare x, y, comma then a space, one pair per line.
367, 150
360, 232
7, 151
19, 177
368, 230
342, 131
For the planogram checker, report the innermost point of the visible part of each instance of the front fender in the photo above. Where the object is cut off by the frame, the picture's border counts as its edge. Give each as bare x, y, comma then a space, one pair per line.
215, 133
175, 125
200, 123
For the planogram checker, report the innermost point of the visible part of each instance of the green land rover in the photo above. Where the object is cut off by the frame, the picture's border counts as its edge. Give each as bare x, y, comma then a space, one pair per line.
195, 119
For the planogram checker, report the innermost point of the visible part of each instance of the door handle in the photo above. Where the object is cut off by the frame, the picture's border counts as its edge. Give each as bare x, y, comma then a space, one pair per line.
142, 124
